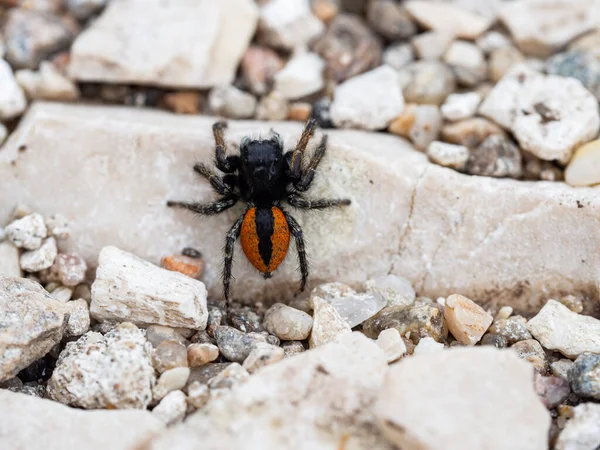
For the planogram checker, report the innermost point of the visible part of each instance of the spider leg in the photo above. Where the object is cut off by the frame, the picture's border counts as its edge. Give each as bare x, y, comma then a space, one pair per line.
295, 162
308, 174
220, 185
232, 235
321, 203
299, 238
207, 209
227, 164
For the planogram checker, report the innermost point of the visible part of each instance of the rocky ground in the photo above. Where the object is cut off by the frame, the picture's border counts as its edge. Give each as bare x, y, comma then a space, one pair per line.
454, 304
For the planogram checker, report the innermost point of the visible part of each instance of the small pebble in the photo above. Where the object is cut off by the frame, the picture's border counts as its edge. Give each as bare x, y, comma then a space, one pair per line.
300, 112
327, 323
200, 354
157, 334
398, 55
321, 112
71, 268
272, 107
236, 345
168, 355
428, 345
493, 40
301, 76
467, 61
584, 167
497, 156
62, 293
428, 82
233, 374
432, 45
287, 323
40, 259
325, 10
9, 260
470, 132
503, 313
258, 67
292, 348
581, 65
83, 9
466, 320
531, 350
514, 329
231, 102
502, 60
3, 135
390, 19
170, 380
245, 319
448, 155
460, 106
426, 125
561, 368
27, 232
395, 290
496, 340
582, 431
552, 390
575, 304
184, 102
79, 318
584, 375
47, 83
392, 344
58, 226
172, 408
198, 395
192, 267
262, 355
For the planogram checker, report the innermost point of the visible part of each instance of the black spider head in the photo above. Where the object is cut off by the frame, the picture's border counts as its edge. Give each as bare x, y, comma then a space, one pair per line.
263, 165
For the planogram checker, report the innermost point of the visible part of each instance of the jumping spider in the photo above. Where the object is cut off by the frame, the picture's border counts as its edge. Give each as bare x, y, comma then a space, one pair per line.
263, 176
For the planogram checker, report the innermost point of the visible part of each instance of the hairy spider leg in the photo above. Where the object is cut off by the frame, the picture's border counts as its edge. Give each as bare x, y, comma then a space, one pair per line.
300, 248
226, 164
295, 162
207, 209
321, 203
232, 235
308, 174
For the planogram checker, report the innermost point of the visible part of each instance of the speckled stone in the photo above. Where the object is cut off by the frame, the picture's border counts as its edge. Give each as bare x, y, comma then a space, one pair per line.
584, 375
262, 355
28, 232
236, 345
531, 350
427, 82
552, 390
497, 156
514, 329
496, 340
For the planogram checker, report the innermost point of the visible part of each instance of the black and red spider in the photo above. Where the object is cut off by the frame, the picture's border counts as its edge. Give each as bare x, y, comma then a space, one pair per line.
263, 176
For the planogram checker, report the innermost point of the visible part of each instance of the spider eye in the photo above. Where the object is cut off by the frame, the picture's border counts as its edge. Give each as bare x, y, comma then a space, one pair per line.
244, 143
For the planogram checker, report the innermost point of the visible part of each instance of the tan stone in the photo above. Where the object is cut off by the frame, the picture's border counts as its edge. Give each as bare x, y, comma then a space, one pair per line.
466, 320
494, 241
442, 16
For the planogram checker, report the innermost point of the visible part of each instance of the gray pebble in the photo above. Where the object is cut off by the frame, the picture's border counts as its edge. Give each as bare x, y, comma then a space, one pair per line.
497, 156
584, 375
496, 340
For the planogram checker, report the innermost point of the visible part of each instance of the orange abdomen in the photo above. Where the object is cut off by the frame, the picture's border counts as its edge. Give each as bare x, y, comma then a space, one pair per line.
265, 238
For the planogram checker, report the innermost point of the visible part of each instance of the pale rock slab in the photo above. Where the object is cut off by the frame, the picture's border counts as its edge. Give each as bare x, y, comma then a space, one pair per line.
541, 27
472, 394
582, 431
368, 101
12, 97
493, 240
301, 76
31, 323
110, 371
559, 328
25, 419
448, 17
313, 401
9, 260
173, 43
549, 115
466, 320
127, 288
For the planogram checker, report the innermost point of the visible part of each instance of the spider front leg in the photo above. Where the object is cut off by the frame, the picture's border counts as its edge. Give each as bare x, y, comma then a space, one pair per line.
295, 161
232, 236
298, 235
207, 209
308, 174
224, 163
300, 202
222, 186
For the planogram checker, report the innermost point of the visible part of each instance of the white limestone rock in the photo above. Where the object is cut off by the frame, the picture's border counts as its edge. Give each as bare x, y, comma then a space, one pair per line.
448, 155
549, 115
287, 323
395, 290
582, 431
458, 398
79, 317
301, 76
31, 323
25, 419
12, 98
466, 320
229, 101
172, 43
312, 401
169, 381
392, 344
127, 288
559, 328
111, 371
467, 61
461, 106
41, 258
368, 101
27, 232
172, 408
448, 17
328, 325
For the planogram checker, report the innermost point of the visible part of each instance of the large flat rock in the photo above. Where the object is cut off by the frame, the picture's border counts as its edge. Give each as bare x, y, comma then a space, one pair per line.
111, 170
30, 422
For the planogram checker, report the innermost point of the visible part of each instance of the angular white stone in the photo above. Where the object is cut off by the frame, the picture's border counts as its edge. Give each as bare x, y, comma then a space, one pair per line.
79, 317
170, 381
559, 328
442, 16
582, 431
27, 232
461, 106
368, 101
466, 320
394, 289
12, 98
288, 24
448, 155
173, 43
25, 419
444, 231
458, 398
549, 115
9, 260
428, 345
41, 258
110, 371
392, 344
172, 408
467, 61
287, 323
47, 83
301, 76
328, 325
312, 401
542, 27
31, 323
127, 288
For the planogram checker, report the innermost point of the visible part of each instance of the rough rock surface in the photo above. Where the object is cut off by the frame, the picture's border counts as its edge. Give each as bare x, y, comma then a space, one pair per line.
173, 43
25, 419
316, 400
444, 231
559, 328
582, 431
496, 386
128, 288
31, 323
111, 371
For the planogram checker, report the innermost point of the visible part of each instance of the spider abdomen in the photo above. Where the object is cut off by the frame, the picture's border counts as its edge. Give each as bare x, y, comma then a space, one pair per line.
265, 238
